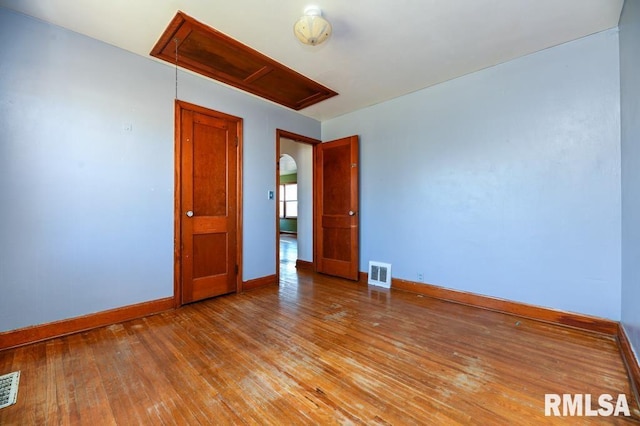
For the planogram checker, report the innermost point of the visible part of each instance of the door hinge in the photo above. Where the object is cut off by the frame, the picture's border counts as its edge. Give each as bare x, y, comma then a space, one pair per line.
237, 141
237, 269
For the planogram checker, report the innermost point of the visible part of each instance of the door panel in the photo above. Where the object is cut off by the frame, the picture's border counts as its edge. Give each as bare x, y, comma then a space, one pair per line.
210, 155
208, 203
337, 216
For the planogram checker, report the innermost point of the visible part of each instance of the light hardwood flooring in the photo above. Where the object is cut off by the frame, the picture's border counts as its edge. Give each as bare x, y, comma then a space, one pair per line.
288, 252
314, 350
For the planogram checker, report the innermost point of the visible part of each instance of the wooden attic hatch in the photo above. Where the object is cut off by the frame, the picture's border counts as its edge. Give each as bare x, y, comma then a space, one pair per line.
208, 52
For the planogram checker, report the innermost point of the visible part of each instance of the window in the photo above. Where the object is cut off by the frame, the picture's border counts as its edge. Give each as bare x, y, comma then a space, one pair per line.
289, 200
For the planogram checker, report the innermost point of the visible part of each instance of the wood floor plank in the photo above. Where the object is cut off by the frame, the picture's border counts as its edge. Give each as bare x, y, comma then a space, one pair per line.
315, 350
87, 397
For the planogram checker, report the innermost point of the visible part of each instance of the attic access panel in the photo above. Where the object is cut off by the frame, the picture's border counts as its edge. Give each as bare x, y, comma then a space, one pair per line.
208, 52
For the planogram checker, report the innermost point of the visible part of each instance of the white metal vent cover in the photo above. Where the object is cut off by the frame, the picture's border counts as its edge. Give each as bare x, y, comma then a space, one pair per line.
380, 274
9, 389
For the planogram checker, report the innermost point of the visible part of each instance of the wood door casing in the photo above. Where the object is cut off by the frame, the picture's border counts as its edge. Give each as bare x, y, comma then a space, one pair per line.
208, 203
336, 205
280, 134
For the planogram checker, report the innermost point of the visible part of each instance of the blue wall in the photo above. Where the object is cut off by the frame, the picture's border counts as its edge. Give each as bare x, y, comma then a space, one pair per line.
508, 180
86, 207
630, 113
505, 182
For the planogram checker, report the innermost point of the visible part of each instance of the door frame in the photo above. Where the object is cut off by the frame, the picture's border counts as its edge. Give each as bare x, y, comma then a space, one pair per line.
177, 197
314, 143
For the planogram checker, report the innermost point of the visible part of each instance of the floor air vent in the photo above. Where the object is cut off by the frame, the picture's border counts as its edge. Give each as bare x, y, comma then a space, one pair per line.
9, 389
380, 274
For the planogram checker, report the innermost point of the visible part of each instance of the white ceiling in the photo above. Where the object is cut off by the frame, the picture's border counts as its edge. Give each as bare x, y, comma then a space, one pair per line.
378, 51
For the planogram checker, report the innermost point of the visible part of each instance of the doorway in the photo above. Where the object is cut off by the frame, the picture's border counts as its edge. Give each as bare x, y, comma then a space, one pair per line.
289, 200
294, 218
334, 247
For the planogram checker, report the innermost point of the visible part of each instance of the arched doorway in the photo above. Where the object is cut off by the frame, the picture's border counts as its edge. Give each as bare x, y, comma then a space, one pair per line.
288, 211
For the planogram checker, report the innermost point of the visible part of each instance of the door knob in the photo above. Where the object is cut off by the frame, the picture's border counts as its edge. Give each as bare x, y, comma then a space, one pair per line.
352, 213
189, 213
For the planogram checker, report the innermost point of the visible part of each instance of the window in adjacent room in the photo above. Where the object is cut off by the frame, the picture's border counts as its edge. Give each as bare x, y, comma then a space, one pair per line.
289, 200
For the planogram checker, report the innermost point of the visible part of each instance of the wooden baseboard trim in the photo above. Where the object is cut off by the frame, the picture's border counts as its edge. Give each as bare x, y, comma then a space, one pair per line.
569, 319
260, 282
630, 361
38, 333
304, 264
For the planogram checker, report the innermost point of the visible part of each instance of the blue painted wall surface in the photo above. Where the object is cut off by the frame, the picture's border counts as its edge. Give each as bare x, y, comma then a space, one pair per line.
505, 182
86, 207
630, 114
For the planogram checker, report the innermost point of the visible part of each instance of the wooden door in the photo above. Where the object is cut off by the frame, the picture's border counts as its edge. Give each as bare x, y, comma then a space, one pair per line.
336, 208
207, 202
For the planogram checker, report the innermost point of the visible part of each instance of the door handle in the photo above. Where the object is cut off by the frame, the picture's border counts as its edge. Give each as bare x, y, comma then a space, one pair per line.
352, 213
189, 213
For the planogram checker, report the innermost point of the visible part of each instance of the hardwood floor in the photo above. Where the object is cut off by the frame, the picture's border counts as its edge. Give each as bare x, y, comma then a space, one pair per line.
288, 252
315, 350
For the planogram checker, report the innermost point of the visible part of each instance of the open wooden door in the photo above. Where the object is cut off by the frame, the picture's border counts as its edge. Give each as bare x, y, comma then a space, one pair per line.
336, 208
208, 164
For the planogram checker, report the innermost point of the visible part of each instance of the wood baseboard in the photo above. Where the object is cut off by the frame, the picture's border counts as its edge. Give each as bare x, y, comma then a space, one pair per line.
304, 264
631, 362
260, 282
570, 319
38, 333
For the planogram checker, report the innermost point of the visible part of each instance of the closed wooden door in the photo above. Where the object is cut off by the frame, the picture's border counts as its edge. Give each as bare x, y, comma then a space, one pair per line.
336, 207
207, 203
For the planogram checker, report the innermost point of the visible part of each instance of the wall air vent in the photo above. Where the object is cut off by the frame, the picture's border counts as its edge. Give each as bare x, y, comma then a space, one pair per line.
9, 389
380, 274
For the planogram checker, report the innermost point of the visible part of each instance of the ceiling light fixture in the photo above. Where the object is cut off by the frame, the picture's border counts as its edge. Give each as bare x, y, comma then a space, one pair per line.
312, 28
